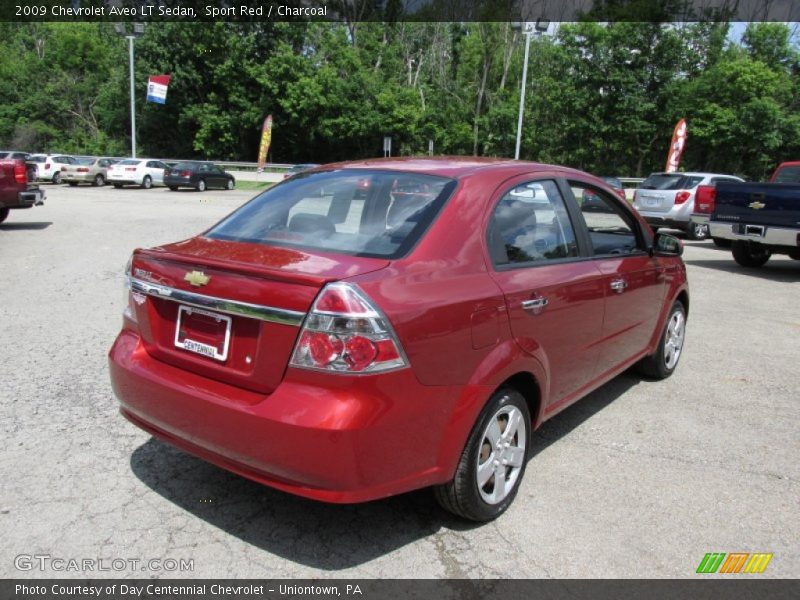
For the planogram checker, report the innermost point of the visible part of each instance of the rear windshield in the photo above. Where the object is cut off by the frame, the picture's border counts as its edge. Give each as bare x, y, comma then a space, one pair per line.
4, 154
351, 211
129, 161
186, 165
670, 181
38, 158
787, 175
85, 161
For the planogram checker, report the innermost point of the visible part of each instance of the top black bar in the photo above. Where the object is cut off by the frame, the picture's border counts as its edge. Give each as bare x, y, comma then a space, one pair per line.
664, 11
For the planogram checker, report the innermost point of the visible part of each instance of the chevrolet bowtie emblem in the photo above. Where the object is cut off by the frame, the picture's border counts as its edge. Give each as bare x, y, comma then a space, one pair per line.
756, 205
197, 278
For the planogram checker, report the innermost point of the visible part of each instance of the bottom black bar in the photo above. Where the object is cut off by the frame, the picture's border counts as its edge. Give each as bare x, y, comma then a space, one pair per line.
734, 588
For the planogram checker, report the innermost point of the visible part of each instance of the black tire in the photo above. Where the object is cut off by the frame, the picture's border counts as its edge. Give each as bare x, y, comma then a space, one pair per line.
201, 185
73, 183
99, 180
750, 255
464, 495
697, 231
57, 178
658, 365
721, 242
147, 182
230, 185
173, 188
4, 214
117, 185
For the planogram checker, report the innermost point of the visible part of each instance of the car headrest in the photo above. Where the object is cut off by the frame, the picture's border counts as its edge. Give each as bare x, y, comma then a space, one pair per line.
311, 223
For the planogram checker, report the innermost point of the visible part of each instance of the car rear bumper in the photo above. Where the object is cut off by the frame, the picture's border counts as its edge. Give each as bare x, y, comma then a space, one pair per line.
326, 437
127, 181
762, 234
30, 198
664, 220
178, 182
80, 178
700, 219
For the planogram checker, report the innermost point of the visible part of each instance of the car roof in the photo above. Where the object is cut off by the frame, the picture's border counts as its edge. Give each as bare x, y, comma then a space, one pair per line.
454, 167
695, 174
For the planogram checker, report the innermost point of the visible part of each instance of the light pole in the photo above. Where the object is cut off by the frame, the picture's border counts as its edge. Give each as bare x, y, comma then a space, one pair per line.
528, 29
138, 31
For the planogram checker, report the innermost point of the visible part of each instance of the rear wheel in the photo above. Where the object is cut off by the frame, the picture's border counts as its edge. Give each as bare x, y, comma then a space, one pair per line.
4, 214
201, 186
663, 363
698, 231
493, 461
750, 255
173, 188
721, 242
99, 181
73, 183
231, 184
57, 177
147, 182
118, 185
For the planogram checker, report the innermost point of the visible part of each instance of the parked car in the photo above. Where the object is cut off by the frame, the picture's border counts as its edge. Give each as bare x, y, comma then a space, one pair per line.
11, 154
348, 348
759, 219
144, 172
667, 200
48, 166
16, 191
299, 169
89, 169
198, 175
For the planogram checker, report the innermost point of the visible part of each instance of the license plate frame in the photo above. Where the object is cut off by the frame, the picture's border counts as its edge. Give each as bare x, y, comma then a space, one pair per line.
650, 202
201, 348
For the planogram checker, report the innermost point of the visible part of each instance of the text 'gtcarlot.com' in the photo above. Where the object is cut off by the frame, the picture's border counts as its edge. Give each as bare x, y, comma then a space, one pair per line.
47, 562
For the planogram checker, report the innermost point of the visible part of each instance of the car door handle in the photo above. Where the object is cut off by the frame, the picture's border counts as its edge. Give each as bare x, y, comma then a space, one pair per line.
619, 285
534, 303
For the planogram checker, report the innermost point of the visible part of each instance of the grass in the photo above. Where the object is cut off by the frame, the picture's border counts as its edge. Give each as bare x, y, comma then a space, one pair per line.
254, 185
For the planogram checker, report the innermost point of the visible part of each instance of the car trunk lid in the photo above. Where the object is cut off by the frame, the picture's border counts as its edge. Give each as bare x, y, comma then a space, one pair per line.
228, 310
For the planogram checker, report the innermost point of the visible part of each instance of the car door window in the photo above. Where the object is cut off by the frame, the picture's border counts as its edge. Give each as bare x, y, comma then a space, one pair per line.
529, 225
611, 230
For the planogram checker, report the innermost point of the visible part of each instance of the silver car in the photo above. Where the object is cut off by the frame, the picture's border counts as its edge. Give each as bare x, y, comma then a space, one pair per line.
667, 200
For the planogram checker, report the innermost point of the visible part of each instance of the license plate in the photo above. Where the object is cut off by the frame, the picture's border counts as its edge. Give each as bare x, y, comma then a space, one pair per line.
203, 332
651, 202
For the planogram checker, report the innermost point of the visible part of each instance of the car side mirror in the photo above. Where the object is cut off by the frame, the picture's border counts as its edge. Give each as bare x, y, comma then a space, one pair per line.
667, 245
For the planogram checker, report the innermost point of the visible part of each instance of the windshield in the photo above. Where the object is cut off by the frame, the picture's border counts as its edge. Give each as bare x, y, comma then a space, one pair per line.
351, 211
670, 181
787, 175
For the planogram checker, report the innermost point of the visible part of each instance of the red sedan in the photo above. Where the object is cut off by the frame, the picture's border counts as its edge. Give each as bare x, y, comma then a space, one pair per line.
348, 342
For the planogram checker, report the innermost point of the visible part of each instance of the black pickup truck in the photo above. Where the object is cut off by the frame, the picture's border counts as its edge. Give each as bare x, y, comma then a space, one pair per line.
759, 219
15, 189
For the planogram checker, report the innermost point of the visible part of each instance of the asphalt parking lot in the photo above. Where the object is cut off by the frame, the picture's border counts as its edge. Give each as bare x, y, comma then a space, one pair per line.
640, 479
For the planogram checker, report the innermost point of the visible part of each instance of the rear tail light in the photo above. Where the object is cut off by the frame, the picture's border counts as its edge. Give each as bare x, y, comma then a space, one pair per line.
82, 170
682, 197
47, 166
705, 200
186, 173
131, 298
346, 333
20, 172
130, 168
621, 193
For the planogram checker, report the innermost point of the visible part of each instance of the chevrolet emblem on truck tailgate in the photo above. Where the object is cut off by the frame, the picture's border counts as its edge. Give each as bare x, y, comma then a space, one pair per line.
197, 278
756, 205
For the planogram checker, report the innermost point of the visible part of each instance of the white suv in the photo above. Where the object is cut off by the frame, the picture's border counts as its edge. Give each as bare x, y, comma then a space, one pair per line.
667, 200
48, 166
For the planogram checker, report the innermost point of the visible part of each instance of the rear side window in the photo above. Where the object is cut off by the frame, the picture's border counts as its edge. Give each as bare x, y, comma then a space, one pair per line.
530, 224
37, 159
351, 211
670, 181
787, 175
129, 161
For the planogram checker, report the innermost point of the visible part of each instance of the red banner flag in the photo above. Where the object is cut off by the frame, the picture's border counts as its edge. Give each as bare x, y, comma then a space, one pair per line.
676, 147
266, 139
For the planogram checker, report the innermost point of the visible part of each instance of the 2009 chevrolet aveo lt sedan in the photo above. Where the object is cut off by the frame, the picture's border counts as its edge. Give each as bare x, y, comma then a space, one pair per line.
365, 329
